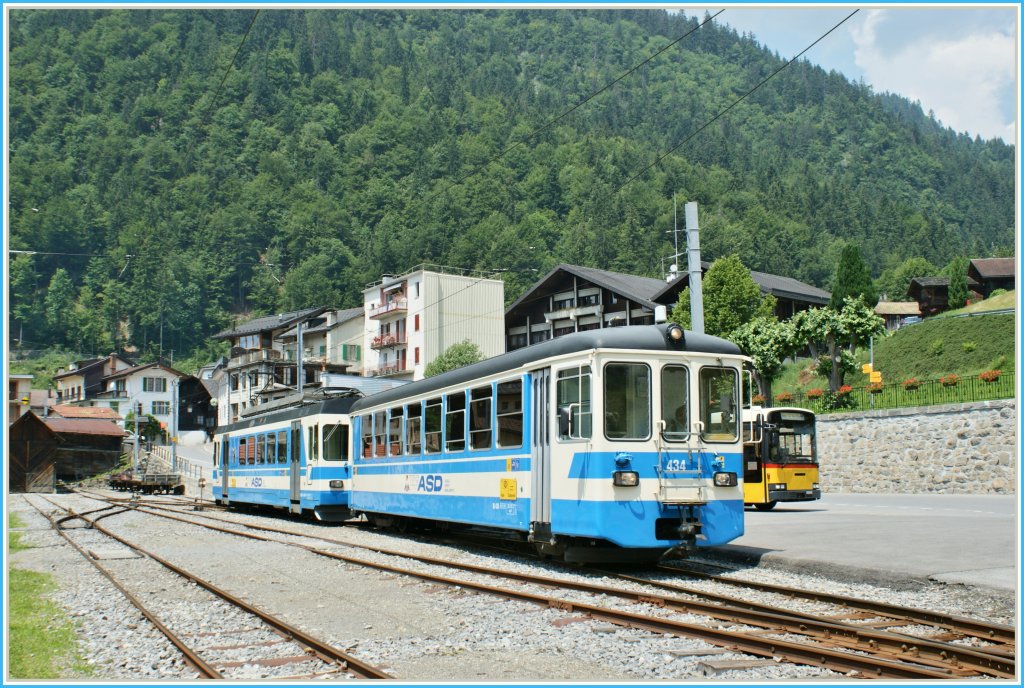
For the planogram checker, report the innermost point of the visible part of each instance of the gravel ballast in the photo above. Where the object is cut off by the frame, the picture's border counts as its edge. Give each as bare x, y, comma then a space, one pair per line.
416, 630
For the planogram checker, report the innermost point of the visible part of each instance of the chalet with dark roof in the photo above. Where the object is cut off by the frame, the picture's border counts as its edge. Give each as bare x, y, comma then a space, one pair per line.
993, 273
791, 295
572, 298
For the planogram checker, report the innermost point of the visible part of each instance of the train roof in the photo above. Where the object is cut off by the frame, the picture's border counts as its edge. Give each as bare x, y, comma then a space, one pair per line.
335, 405
641, 337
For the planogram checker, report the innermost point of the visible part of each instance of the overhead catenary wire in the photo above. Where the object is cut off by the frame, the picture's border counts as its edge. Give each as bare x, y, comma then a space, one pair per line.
736, 102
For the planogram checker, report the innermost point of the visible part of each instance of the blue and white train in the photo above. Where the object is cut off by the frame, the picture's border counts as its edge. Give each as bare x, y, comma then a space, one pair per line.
620, 443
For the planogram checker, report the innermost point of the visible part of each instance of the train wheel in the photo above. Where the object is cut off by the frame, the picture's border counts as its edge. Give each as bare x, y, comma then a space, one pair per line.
767, 506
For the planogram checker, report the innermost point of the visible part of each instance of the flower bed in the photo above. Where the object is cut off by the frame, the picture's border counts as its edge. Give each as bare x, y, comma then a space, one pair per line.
911, 384
951, 380
990, 375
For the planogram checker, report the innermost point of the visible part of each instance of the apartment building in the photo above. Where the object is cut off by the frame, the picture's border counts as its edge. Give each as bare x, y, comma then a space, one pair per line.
411, 319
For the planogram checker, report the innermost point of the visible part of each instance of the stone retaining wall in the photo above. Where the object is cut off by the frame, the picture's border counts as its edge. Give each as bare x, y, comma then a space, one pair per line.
952, 449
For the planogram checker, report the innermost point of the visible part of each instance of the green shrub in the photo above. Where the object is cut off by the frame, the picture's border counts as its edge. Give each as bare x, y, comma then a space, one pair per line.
997, 292
969, 347
936, 348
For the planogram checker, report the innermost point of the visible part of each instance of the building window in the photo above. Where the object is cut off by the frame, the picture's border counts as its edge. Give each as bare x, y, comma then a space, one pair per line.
161, 408
539, 336
154, 384
516, 341
416, 322
562, 331
416, 290
589, 300
416, 355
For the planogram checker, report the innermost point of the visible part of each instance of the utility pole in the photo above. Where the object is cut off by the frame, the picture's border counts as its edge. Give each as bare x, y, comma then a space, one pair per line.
298, 354
135, 450
174, 425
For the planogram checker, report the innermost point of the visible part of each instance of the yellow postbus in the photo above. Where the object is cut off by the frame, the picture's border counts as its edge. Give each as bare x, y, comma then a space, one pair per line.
780, 457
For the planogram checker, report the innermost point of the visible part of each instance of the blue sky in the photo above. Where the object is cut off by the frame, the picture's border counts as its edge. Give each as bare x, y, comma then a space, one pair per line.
961, 62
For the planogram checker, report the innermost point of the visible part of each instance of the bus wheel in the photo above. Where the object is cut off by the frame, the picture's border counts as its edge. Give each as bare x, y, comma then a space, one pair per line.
767, 506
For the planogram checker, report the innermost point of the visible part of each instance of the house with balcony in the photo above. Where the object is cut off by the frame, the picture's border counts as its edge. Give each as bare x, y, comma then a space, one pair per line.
411, 319
178, 401
572, 298
257, 372
332, 342
83, 380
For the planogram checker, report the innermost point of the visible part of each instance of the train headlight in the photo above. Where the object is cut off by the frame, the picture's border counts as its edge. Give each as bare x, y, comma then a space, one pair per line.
337, 484
725, 479
625, 478
674, 334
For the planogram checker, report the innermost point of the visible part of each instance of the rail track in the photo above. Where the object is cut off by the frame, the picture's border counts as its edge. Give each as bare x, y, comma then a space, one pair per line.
231, 651
863, 648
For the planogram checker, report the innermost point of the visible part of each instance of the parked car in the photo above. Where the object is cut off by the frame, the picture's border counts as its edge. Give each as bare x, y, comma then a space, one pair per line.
912, 320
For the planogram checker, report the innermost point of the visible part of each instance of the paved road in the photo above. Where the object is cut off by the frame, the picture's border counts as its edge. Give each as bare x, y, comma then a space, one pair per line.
891, 539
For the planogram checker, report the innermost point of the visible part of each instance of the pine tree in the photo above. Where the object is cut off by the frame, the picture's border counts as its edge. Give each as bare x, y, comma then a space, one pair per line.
956, 270
852, 278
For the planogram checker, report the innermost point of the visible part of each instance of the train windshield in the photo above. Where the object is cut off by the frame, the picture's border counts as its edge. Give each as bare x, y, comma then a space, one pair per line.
792, 438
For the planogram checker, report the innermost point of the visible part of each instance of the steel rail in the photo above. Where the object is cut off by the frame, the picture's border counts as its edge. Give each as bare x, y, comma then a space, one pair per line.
813, 655
858, 638
197, 662
979, 629
326, 652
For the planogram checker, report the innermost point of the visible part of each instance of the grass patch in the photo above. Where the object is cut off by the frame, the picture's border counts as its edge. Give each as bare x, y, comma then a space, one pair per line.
996, 303
15, 543
41, 639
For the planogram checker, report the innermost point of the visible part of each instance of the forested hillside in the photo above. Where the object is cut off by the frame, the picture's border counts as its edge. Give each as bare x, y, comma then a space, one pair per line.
164, 190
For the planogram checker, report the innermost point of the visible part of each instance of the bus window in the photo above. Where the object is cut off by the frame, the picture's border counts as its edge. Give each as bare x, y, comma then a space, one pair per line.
718, 404
792, 440
480, 417
627, 401
335, 442
414, 416
455, 422
282, 446
379, 434
574, 403
675, 407
510, 414
395, 432
366, 435
432, 426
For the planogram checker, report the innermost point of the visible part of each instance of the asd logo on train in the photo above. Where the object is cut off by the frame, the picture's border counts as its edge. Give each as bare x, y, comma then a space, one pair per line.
430, 483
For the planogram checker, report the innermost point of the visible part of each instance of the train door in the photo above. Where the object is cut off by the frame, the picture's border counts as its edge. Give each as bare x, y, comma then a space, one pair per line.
225, 460
295, 468
540, 444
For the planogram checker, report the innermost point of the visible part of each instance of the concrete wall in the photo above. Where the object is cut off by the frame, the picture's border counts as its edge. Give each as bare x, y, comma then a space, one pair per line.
952, 449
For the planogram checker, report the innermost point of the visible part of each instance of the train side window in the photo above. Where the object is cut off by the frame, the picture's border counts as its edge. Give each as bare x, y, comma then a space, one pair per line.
379, 434
232, 455
366, 435
335, 442
282, 446
260, 442
314, 442
627, 401
395, 431
243, 453
480, 417
510, 414
574, 403
413, 422
675, 402
432, 420
455, 422
718, 404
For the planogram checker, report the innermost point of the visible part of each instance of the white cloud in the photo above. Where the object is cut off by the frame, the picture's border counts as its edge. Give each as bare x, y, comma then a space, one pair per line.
964, 80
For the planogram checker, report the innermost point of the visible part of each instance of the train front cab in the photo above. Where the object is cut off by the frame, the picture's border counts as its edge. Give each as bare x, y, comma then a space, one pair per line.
780, 457
644, 453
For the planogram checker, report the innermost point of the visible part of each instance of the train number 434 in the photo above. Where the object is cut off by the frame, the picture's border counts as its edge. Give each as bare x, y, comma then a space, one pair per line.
430, 483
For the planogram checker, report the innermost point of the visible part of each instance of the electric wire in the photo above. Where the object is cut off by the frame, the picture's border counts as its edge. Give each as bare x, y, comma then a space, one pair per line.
736, 102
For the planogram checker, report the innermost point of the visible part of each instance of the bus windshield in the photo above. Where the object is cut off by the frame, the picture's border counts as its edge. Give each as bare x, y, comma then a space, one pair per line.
792, 438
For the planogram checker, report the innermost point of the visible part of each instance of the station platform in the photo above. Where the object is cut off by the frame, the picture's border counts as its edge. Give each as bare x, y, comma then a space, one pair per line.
889, 539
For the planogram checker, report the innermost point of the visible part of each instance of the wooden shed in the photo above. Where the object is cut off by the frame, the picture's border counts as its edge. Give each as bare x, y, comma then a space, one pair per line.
32, 450
89, 446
